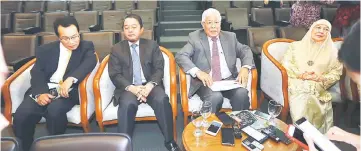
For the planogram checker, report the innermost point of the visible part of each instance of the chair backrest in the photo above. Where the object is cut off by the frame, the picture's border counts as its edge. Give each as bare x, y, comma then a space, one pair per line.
262, 15
148, 17
10, 6
25, 20
34, 6
103, 42
48, 38
147, 34
153, 4
295, 33
328, 13
243, 4
282, 14
258, 36
257, 4
113, 19
86, 19
75, 6
18, 46
5, 21
49, 19
102, 5
221, 6
238, 17
275, 49
9, 144
84, 142
124, 5
55, 5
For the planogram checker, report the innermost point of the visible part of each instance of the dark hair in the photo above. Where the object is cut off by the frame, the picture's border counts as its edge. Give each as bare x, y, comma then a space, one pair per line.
349, 54
136, 17
65, 21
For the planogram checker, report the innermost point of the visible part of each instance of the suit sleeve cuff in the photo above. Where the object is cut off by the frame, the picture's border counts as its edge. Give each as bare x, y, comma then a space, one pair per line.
193, 71
75, 80
247, 66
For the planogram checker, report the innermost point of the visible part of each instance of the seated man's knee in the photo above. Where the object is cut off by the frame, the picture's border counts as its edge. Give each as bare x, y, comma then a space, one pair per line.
128, 103
242, 93
216, 98
55, 113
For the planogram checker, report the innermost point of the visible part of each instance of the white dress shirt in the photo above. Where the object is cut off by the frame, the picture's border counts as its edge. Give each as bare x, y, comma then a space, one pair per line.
225, 72
131, 52
62, 65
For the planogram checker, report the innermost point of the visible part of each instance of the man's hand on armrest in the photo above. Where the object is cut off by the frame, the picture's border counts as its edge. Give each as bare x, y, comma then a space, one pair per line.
243, 76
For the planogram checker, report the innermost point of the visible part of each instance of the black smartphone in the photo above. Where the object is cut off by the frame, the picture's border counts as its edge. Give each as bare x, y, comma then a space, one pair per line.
225, 118
227, 136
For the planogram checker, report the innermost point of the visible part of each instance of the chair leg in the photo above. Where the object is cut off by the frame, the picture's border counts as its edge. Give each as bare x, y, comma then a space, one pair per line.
175, 129
86, 127
185, 118
101, 126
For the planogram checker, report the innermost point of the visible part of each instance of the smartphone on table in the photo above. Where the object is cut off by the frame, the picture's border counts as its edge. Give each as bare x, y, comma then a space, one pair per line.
214, 128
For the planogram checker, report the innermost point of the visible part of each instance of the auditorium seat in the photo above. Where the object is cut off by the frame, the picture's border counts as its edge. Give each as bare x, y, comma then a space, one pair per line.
11, 7
148, 17
103, 42
17, 84
102, 6
238, 17
18, 47
113, 20
44, 39
257, 4
282, 14
147, 34
49, 19
34, 6
84, 142
294, 33
53, 6
5, 23
153, 4
22, 21
106, 112
86, 19
75, 6
258, 36
328, 13
194, 102
9, 144
243, 4
127, 5
262, 17
221, 6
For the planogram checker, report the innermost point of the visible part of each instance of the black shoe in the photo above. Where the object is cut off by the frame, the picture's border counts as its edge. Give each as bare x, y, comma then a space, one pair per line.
172, 146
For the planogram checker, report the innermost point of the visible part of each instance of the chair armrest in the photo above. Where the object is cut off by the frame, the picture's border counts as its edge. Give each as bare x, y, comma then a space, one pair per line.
173, 80
20, 62
94, 28
8, 89
31, 30
256, 24
252, 88
183, 90
282, 23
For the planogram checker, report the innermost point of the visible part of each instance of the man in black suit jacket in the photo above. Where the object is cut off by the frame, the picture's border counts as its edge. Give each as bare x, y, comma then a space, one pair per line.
65, 62
138, 79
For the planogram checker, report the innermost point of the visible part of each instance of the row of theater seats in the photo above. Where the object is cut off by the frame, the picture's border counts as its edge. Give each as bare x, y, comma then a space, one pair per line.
19, 23
16, 55
240, 18
73, 6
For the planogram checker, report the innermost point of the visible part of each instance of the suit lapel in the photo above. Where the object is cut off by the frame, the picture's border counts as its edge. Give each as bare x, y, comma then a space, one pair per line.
142, 52
55, 57
74, 58
127, 56
205, 44
225, 47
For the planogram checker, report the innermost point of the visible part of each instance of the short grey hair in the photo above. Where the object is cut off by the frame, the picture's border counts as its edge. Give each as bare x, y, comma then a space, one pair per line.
210, 11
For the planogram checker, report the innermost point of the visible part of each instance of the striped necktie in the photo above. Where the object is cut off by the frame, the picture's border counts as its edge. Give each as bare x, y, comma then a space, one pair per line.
137, 78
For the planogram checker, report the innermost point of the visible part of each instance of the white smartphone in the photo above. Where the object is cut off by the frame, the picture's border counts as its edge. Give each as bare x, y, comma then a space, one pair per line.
214, 128
320, 140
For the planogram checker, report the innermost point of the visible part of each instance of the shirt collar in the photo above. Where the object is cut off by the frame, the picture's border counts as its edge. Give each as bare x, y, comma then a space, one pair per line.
130, 43
62, 47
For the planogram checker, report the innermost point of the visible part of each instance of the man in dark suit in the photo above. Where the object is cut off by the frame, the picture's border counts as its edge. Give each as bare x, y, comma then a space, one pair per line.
64, 63
210, 55
136, 69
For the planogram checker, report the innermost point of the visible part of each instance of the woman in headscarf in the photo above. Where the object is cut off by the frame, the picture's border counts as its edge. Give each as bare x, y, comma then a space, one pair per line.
312, 68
